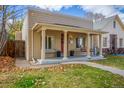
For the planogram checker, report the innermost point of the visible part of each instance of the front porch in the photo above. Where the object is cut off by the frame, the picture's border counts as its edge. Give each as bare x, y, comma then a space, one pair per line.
55, 43
69, 59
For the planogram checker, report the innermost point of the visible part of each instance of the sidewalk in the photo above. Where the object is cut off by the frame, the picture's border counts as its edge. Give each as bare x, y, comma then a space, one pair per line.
106, 68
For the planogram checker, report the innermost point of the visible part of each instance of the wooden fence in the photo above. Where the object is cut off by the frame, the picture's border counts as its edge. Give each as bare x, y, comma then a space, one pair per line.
14, 48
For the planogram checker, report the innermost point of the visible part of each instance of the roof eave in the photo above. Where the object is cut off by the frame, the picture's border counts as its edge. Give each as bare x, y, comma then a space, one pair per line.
37, 25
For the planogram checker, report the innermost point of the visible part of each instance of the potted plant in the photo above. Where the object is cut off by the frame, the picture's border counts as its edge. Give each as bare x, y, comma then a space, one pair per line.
58, 53
71, 52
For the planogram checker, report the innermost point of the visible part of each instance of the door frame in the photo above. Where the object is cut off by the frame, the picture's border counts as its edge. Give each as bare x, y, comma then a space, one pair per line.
113, 41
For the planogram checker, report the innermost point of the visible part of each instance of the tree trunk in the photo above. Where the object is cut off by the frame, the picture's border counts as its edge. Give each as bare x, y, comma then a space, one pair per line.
3, 37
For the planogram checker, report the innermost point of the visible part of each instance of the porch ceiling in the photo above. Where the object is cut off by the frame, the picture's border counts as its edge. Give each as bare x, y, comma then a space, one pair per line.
62, 27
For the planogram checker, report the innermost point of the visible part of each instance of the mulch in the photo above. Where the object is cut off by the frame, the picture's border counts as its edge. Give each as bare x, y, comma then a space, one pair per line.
6, 63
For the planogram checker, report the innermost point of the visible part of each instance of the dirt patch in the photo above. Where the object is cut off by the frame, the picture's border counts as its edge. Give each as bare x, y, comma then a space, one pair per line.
6, 63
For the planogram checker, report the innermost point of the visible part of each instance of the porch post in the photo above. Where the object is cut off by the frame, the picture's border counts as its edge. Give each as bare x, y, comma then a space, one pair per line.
100, 45
65, 45
43, 44
32, 44
88, 45
92, 44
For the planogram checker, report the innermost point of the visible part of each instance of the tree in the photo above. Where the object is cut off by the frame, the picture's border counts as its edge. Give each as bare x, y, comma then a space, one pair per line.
8, 15
3, 36
93, 16
13, 28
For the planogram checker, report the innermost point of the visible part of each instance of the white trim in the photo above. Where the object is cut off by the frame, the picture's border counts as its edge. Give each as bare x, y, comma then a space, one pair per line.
121, 42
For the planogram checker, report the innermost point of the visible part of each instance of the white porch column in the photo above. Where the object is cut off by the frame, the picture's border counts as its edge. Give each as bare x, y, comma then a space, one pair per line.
65, 45
32, 44
92, 41
43, 44
92, 44
100, 45
88, 45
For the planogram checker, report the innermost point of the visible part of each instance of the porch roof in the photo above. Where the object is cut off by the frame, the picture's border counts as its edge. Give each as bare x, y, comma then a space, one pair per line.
63, 27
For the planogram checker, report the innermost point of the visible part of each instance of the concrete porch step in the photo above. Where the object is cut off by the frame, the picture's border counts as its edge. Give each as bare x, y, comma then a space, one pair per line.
70, 59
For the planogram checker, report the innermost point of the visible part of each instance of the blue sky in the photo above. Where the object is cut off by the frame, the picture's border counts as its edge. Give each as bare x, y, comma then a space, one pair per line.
80, 11
74, 10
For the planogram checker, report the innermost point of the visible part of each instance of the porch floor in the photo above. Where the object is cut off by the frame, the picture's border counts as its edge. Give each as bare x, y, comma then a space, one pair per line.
69, 59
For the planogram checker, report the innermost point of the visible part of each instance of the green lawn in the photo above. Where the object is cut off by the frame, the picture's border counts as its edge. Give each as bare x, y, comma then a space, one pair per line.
113, 61
61, 76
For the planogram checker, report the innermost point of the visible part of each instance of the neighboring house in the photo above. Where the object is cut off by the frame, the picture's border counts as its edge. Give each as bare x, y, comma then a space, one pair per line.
114, 39
18, 35
51, 35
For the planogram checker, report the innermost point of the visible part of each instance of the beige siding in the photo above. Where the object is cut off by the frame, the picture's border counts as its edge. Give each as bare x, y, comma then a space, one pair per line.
94, 41
37, 44
25, 34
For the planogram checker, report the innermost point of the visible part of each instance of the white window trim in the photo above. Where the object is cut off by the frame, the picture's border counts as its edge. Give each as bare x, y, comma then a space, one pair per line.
121, 43
105, 43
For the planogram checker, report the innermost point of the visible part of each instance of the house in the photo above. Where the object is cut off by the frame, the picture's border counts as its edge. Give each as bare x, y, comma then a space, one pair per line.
114, 39
18, 35
52, 35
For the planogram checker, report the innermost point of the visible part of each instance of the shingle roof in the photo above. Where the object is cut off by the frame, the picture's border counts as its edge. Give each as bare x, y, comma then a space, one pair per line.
46, 16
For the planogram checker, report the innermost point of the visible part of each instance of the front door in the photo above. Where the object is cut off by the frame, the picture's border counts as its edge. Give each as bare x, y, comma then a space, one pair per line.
62, 43
113, 42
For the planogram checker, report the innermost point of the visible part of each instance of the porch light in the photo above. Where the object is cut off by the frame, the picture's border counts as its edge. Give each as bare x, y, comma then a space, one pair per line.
70, 39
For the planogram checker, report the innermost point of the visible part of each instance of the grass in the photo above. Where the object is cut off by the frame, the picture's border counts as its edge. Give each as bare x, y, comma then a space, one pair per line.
113, 61
73, 75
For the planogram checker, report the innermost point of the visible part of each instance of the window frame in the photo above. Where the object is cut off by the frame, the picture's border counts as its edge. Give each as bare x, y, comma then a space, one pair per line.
105, 41
78, 45
114, 24
121, 42
48, 45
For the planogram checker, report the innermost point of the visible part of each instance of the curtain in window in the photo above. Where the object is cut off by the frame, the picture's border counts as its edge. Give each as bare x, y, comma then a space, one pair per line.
79, 42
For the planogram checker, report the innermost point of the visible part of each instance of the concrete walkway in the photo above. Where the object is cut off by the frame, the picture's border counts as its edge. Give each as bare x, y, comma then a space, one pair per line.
22, 63
106, 68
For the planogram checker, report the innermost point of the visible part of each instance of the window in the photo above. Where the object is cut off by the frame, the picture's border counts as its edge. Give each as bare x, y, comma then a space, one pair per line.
49, 42
79, 42
104, 42
114, 24
121, 42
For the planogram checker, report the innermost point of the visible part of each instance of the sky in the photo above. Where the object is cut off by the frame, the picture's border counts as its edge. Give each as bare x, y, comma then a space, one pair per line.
80, 10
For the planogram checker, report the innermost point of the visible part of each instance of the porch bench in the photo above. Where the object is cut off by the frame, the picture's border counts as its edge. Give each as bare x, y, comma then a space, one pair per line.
79, 52
50, 53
